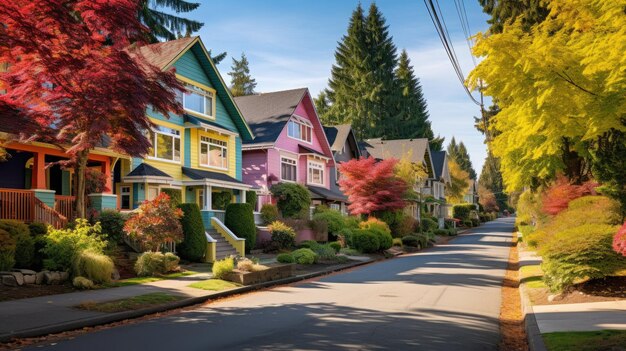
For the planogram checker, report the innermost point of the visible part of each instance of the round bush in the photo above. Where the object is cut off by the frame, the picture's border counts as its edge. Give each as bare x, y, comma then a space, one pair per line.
294, 199
467, 223
366, 240
335, 245
83, 283
155, 263
37, 229
411, 241
282, 236
112, 223
285, 258
304, 256
93, 266
309, 244
63, 245
397, 242
170, 262
193, 247
442, 232
24, 243
334, 220
222, 267
7, 250
475, 222
269, 213
428, 224
240, 220
325, 252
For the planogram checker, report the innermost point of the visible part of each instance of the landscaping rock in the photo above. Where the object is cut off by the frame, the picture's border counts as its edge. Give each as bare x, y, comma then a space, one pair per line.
39, 278
64, 276
52, 278
9, 280
30, 278
24, 271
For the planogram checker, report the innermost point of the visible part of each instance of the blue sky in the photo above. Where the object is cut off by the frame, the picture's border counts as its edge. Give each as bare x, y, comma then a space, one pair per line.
291, 44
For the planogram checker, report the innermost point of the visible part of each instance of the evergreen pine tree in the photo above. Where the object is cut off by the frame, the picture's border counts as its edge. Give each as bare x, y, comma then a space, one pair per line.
242, 82
491, 179
458, 152
322, 107
165, 25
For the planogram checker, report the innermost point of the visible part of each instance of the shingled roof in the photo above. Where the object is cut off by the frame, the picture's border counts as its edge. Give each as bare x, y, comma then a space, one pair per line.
384, 149
439, 157
268, 113
337, 135
162, 54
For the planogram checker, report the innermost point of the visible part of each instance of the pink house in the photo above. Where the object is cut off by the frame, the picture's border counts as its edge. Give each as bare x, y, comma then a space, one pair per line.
290, 144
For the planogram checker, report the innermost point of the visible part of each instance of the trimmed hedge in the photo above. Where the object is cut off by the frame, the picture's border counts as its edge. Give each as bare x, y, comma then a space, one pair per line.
240, 220
304, 256
193, 246
462, 211
294, 199
334, 220
285, 258
428, 224
251, 198
112, 223
366, 240
269, 213
24, 243
411, 241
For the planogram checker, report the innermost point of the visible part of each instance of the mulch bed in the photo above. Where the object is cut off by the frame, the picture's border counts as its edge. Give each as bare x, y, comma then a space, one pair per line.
599, 290
23, 292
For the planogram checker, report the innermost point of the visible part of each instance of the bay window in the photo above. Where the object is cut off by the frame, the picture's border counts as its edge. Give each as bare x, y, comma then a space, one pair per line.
213, 153
315, 173
165, 144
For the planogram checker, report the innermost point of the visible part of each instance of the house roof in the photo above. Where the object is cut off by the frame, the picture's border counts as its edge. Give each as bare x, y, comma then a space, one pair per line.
268, 113
323, 193
307, 150
439, 158
145, 170
337, 135
164, 55
384, 149
197, 174
11, 122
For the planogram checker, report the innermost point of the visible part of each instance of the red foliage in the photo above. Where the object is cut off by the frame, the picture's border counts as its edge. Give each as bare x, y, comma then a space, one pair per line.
156, 223
71, 73
619, 241
558, 196
372, 186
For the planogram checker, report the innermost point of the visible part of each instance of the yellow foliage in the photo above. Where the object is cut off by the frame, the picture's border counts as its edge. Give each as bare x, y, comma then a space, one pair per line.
459, 185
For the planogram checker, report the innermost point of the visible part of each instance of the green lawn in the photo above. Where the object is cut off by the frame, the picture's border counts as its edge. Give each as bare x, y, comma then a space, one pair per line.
586, 341
531, 276
132, 303
214, 285
143, 280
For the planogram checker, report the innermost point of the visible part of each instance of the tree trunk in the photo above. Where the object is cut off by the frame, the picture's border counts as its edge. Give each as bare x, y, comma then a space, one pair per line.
79, 171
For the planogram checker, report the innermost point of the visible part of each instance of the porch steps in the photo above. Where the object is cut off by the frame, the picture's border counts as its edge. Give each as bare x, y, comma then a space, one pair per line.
223, 247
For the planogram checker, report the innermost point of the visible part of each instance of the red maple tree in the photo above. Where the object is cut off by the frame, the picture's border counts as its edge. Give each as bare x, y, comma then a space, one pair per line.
372, 186
155, 223
558, 196
619, 241
70, 72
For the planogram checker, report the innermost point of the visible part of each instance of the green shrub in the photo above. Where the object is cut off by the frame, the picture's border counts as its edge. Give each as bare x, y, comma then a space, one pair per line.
170, 262
397, 242
24, 243
304, 256
325, 252
94, 266
320, 228
269, 213
335, 245
475, 222
467, 223
462, 211
251, 198
352, 222
411, 241
38, 232
428, 224
156, 263
83, 283
349, 252
309, 244
239, 219
442, 232
345, 236
366, 240
285, 258
294, 199
374, 223
221, 199
282, 236
64, 245
176, 196
37, 229
575, 254
7, 250
193, 247
112, 223
334, 221
222, 267
452, 231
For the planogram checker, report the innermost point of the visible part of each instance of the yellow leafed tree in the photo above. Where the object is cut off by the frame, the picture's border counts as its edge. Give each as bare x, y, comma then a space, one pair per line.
459, 185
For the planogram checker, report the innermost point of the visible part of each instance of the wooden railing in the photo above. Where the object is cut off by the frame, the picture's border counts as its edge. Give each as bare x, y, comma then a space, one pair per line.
46, 214
65, 204
17, 204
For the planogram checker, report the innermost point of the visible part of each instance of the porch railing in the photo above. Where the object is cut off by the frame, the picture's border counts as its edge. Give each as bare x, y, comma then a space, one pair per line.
46, 214
221, 215
64, 204
17, 204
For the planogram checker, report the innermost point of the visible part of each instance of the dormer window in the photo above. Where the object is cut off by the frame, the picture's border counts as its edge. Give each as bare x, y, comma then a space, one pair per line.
199, 101
299, 130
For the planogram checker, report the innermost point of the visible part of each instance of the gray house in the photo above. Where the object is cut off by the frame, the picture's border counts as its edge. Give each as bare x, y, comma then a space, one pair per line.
345, 147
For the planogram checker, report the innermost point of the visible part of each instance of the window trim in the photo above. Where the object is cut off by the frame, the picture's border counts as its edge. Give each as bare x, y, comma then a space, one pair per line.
153, 155
200, 142
300, 123
187, 81
308, 172
130, 196
281, 169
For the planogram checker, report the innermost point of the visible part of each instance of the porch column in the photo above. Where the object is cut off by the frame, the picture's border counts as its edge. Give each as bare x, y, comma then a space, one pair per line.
208, 198
106, 170
243, 196
39, 171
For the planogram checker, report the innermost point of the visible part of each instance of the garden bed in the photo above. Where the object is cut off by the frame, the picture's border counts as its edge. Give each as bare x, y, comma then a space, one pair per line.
609, 289
27, 291
274, 272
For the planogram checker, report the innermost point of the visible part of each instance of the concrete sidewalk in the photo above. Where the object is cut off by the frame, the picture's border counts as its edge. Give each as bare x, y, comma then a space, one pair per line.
581, 316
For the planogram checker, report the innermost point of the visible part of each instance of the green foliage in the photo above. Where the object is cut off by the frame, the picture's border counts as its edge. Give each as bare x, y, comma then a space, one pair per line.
583, 252
325, 252
309, 244
345, 236
366, 240
304, 256
468, 223
335, 245
529, 208
269, 213
222, 267
458, 153
411, 241
399, 223
24, 243
349, 252
239, 218
241, 82
64, 245
428, 224
285, 258
112, 223
462, 211
176, 196
282, 236
294, 199
381, 230
491, 179
37, 229
397, 242
38, 232
221, 199
251, 198
352, 222
156, 264
94, 266
193, 247
83, 283
334, 220
7, 250
475, 222
443, 232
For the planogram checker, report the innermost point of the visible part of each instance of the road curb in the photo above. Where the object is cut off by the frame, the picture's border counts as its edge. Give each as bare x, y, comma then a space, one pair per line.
119, 316
533, 334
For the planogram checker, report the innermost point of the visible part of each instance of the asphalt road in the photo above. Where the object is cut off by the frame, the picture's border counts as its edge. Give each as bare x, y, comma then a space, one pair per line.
444, 298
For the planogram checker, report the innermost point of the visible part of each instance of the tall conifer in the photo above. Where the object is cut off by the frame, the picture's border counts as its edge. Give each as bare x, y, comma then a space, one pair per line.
242, 82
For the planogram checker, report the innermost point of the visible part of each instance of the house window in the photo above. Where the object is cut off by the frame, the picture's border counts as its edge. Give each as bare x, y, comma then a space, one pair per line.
198, 100
288, 169
213, 153
299, 130
335, 207
165, 144
125, 197
316, 173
